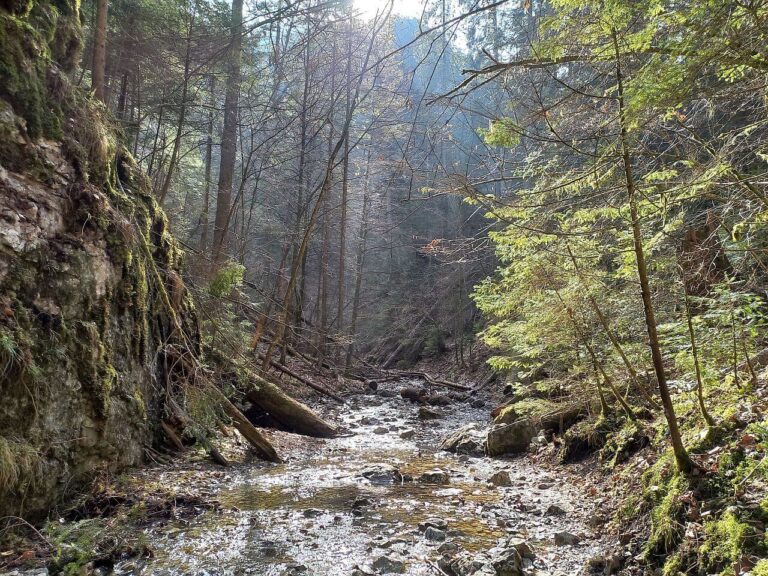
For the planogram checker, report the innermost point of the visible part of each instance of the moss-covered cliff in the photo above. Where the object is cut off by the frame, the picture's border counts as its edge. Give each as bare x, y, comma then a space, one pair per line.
90, 293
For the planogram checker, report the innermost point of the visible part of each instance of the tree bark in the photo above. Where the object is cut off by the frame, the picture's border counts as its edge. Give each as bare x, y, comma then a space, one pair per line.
228, 135
290, 413
99, 63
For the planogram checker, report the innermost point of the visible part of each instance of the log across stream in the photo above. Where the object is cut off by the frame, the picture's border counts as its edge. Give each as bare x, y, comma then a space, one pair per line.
383, 499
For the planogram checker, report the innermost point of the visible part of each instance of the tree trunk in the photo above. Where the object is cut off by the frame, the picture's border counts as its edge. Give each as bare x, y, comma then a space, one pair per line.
182, 110
204, 216
228, 135
99, 62
359, 262
683, 460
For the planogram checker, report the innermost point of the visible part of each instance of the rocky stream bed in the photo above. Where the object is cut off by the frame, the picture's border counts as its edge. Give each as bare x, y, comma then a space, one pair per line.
382, 499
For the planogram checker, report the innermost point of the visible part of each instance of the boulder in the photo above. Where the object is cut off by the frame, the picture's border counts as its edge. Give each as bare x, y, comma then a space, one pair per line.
466, 440
522, 547
509, 438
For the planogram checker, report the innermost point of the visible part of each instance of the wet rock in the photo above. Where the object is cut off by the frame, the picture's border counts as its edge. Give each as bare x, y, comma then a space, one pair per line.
435, 476
439, 400
478, 403
554, 510
407, 434
438, 523
389, 565
381, 474
466, 566
522, 547
413, 394
509, 389
509, 438
294, 570
387, 393
448, 548
507, 563
501, 478
466, 440
369, 421
429, 414
361, 502
434, 534
312, 513
381, 430
566, 539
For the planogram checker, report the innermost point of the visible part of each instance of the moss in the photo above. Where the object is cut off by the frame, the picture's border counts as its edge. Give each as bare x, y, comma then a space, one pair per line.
760, 569
630, 437
530, 408
20, 466
667, 514
726, 540
673, 566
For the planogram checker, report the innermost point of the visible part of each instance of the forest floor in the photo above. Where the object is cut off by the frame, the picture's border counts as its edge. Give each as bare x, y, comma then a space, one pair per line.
381, 499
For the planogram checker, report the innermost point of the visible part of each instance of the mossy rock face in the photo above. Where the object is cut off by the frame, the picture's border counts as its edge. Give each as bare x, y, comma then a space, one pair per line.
90, 290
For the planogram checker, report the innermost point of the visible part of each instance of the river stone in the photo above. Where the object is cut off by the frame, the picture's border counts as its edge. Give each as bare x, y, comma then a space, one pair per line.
381, 474
438, 523
566, 539
312, 513
381, 430
428, 414
466, 440
369, 421
388, 393
522, 547
435, 476
434, 534
407, 434
509, 438
448, 548
438, 400
388, 565
554, 510
501, 478
507, 563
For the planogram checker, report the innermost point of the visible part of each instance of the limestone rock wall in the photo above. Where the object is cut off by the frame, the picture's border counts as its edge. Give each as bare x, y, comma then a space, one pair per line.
90, 291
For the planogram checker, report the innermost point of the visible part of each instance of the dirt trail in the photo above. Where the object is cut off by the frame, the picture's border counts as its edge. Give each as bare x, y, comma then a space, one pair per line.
359, 505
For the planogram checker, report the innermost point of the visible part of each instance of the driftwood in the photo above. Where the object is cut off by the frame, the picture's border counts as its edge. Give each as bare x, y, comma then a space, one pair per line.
289, 412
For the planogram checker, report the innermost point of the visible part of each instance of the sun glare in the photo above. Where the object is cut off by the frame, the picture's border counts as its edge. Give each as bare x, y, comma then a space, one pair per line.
368, 9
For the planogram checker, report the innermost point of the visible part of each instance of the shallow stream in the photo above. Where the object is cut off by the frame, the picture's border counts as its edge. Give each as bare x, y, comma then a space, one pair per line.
336, 506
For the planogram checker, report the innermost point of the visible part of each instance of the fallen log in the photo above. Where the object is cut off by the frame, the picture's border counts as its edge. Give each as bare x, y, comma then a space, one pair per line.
255, 438
429, 379
290, 413
285, 370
